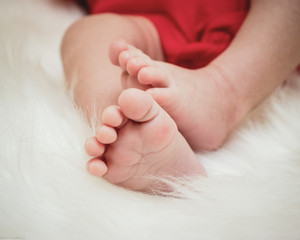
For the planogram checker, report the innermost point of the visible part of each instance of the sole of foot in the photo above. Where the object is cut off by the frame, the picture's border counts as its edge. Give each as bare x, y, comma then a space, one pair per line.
137, 143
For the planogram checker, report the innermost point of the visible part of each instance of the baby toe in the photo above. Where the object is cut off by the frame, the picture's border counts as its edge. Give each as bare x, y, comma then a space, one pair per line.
137, 51
106, 134
112, 116
93, 147
125, 56
96, 167
153, 76
137, 105
135, 64
116, 48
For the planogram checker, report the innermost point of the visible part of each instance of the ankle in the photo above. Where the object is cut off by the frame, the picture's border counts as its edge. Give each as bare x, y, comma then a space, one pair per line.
236, 108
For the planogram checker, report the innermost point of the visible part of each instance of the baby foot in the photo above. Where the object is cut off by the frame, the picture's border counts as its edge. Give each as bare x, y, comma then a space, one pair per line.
141, 141
201, 102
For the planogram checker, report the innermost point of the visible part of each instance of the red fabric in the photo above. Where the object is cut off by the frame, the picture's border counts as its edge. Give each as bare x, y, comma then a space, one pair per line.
192, 32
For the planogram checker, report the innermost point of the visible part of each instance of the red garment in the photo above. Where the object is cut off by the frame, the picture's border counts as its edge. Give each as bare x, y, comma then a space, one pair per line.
192, 32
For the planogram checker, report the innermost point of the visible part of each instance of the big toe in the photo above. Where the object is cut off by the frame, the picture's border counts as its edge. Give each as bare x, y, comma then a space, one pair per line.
156, 127
138, 105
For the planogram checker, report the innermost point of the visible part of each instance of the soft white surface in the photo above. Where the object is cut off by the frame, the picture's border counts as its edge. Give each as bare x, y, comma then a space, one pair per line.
253, 189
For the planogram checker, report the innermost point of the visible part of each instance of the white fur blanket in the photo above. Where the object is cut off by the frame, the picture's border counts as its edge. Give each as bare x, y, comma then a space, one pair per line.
253, 189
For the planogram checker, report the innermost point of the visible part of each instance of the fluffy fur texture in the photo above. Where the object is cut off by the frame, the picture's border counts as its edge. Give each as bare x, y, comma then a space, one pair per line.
253, 188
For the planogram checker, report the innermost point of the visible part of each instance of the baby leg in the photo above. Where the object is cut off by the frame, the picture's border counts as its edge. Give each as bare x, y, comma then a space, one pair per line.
94, 81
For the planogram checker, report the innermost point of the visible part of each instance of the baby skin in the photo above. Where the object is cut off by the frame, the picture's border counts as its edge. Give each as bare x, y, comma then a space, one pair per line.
138, 140
202, 102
